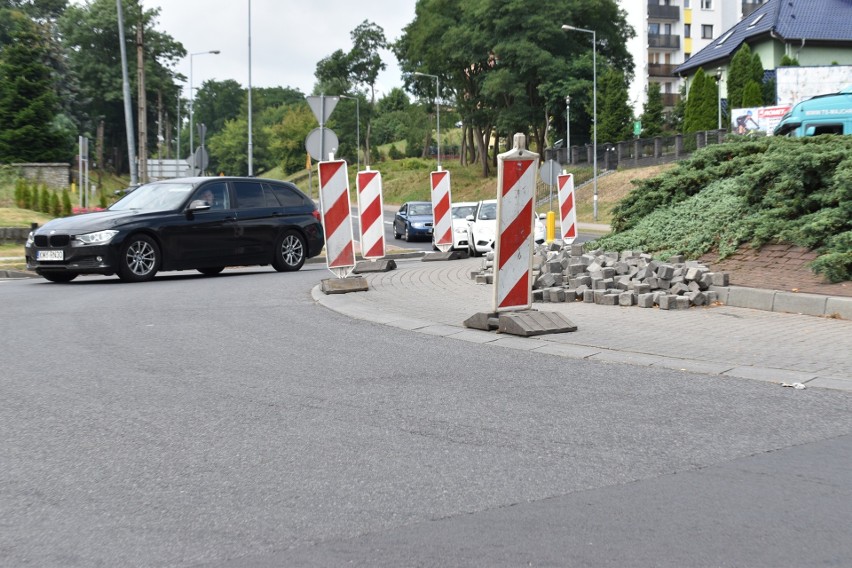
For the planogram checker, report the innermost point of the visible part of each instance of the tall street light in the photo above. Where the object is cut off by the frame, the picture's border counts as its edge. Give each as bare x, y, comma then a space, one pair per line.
192, 98
250, 145
568, 28
719, 96
437, 109
568, 126
357, 131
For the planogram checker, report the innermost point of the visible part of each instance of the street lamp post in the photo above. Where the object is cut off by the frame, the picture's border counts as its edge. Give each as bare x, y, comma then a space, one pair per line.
719, 96
192, 98
437, 109
568, 127
250, 145
568, 28
357, 131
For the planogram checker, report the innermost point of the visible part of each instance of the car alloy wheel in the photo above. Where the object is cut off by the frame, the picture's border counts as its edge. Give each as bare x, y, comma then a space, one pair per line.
140, 259
289, 252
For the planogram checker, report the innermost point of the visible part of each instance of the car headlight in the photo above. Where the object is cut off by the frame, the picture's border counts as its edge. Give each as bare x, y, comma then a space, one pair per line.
461, 230
97, 238
30, 240
419, 225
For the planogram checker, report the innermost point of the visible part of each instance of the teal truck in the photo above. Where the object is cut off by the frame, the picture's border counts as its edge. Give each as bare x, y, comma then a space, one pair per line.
823, 114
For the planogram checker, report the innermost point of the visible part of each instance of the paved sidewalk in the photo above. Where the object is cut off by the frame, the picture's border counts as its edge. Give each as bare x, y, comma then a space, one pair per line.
436, 297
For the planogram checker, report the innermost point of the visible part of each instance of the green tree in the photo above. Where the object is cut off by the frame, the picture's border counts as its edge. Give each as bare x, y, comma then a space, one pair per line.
218, 102
27, 196
91, 38
67, 208
701, 104
332, 74
365, 63
752, 95
287, 138
614, 112
652, 112
55, 205
740, 72
676, 120
28, 101
508, 66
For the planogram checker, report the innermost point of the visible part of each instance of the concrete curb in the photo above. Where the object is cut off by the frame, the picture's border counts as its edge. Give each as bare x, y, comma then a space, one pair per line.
17, 274
785, 302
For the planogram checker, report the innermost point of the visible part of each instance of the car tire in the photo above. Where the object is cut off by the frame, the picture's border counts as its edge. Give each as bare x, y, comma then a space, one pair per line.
211, 271
139, 260
406, 236
60, 277
396, 234
290, 252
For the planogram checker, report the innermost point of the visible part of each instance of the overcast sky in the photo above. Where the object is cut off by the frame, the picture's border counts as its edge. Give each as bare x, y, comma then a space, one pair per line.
288, 38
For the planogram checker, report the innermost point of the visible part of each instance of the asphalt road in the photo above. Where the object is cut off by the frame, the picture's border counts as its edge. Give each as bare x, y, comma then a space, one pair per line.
230, 421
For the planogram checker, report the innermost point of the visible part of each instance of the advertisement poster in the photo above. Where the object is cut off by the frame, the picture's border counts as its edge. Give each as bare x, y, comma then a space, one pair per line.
765, 119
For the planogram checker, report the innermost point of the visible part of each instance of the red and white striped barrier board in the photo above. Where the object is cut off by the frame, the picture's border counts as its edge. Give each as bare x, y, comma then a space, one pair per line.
336, 219
567, 210
513, 250
370, 214
442, 210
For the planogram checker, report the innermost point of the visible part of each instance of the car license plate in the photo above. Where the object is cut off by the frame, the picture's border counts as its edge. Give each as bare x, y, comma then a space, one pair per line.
50, 255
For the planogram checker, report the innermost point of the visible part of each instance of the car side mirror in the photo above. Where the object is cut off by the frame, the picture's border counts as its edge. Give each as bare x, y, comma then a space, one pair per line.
469, 218
199, 205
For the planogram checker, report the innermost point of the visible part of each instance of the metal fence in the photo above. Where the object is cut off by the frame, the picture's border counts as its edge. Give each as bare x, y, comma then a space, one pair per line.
637, 153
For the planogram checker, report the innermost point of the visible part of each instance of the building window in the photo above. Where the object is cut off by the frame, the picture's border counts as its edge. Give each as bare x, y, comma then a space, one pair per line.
686, 3
706, 32
706, 4
686, 57
654, 29
687, 30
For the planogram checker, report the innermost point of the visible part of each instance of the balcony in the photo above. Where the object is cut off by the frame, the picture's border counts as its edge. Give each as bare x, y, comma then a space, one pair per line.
664, 41
661, 69
670, 99
657, 12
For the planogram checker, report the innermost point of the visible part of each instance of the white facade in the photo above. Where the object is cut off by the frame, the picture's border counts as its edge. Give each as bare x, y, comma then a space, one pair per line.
668, 32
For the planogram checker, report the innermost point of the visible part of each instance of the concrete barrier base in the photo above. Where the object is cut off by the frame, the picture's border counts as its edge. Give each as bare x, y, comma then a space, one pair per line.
526, 323
344, 285
532, 322
380, 265
449, 255
486, 321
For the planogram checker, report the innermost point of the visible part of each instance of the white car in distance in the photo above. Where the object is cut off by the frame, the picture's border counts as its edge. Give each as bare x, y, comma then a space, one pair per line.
482, 227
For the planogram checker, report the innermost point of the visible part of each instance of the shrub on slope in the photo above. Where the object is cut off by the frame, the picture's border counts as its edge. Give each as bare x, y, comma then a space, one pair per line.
795, 190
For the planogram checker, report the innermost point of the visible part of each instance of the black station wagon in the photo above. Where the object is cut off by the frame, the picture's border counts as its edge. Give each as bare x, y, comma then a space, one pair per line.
202, 223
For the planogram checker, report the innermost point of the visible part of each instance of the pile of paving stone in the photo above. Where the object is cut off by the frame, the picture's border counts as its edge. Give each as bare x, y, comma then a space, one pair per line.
568, 273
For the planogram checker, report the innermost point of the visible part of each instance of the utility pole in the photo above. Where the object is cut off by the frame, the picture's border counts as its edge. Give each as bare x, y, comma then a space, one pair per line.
142, 110
128, 109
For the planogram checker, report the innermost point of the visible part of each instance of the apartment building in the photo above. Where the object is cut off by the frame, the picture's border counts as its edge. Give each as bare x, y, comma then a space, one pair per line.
668, 33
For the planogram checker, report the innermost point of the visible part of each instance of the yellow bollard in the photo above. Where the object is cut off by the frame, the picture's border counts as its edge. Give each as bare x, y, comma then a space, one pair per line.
551, 226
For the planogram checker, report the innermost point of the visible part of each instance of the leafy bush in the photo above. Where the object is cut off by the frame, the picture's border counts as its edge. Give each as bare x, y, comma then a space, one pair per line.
757, 191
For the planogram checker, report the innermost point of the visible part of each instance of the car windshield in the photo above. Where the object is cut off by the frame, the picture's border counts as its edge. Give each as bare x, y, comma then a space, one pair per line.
462, 211
156, 196
488, 211
420, 209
